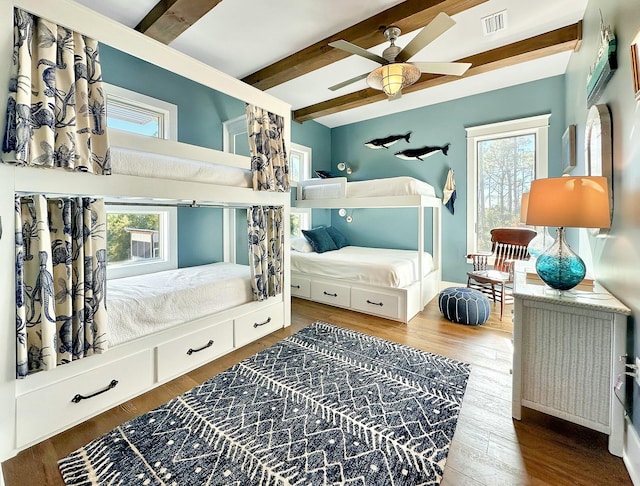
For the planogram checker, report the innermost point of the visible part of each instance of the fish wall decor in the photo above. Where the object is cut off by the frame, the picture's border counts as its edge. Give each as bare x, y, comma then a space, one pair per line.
386, 142
421, 153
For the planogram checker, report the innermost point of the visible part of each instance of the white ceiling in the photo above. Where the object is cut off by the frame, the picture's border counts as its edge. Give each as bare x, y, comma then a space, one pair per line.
232, 38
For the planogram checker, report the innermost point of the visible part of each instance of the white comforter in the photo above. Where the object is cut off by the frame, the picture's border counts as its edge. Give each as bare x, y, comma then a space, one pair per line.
374, 266
132, 162
392, 186
144, 304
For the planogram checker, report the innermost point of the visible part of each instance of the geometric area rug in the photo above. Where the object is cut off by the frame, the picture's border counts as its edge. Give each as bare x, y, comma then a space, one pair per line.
326, 405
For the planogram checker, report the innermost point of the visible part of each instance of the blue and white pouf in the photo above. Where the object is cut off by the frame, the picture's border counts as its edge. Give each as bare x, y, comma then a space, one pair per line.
464, 305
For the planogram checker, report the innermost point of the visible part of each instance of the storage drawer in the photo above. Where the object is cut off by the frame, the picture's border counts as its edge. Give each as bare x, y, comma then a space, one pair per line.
42, 412
257, 324
385, 304
300, 287
331, 293
190, 351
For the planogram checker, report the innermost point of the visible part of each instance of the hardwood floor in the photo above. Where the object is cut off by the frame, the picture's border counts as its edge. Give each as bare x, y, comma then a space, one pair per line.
489, 447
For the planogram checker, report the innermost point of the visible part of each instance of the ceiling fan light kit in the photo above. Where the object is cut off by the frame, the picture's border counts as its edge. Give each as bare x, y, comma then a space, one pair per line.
394, 77
395, 72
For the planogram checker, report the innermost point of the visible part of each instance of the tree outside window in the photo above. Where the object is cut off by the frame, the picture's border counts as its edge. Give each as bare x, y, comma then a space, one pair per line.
506, 167
127, 235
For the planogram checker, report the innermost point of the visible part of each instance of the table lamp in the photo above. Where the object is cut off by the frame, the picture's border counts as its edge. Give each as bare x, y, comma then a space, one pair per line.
543, 239
577, 202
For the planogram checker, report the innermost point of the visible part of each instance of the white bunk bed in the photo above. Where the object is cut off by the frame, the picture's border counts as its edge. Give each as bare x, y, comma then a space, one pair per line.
144, 362
396, 303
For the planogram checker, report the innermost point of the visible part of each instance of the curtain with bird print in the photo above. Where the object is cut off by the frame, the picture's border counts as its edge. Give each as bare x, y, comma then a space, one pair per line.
56, 113
266, 250
269, 165
61, 279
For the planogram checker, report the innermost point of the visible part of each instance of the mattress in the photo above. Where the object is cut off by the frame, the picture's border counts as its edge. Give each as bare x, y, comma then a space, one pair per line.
327, 190
392, 186
144, 304
373, 266
143, 164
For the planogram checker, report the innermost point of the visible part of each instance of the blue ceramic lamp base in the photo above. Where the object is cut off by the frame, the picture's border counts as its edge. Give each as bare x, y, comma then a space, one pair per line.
559, 266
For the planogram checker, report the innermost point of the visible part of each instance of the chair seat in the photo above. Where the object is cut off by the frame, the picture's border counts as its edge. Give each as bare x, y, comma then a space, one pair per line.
490, 276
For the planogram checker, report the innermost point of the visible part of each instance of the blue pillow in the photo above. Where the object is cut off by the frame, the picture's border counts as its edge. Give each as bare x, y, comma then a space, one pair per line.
338, 238
319, 240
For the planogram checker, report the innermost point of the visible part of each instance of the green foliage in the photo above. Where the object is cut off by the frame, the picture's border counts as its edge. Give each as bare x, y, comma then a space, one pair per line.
119, 239
295, 225
506, 169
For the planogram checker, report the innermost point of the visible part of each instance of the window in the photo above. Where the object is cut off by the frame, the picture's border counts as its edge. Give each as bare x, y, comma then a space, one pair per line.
236, 141
502, 160
235, 138
299, 170
140, 239
299, 163
137, 113
300, 219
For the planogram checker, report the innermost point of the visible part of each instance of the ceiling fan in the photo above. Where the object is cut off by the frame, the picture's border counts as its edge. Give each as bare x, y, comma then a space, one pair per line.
396, 73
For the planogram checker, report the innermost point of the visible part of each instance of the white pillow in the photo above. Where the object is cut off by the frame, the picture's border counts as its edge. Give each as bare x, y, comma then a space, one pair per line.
301, 244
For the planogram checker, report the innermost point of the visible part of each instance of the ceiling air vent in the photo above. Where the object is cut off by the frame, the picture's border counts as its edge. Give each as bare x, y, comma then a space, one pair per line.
494, 23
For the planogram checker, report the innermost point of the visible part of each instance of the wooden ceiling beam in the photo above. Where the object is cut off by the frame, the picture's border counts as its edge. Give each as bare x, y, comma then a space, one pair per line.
554, 42
170, 18
409, 16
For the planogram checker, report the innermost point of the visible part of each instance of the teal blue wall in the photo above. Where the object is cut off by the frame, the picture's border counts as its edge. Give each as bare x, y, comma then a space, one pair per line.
437, 125
201, 110
616, 258
199, 236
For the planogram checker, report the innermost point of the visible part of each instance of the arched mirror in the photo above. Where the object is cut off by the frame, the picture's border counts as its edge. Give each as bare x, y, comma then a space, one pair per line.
598, 151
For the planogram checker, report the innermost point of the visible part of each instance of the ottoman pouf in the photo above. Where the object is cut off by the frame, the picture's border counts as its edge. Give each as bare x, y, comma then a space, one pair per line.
464, 305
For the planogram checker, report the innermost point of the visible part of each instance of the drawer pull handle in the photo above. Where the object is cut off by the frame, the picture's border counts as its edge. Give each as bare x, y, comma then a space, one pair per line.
330, 295
208, 345
295, 286
79, 397
375, 303
258, 324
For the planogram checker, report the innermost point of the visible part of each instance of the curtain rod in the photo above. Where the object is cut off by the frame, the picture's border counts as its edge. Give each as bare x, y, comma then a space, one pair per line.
193, 204
126, 202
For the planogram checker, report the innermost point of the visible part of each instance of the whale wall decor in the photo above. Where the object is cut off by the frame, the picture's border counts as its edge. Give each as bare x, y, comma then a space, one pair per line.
422, 152
378, 143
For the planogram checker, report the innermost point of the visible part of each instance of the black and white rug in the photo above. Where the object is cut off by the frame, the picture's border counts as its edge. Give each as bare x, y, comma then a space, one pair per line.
325, 406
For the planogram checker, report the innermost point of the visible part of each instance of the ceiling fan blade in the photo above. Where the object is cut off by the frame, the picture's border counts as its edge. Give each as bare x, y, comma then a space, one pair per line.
348, 82
428, 34
449, 68
358, 51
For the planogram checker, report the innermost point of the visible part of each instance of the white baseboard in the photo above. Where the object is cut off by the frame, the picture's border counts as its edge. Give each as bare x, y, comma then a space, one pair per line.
631, 453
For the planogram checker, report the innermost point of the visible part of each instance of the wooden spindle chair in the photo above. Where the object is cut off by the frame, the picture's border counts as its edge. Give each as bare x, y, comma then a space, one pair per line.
507, 246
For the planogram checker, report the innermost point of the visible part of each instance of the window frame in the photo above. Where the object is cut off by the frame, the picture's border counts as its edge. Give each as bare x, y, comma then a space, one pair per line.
168, 237
167, 111
306, 218
230, 130
537, 125
305, 171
